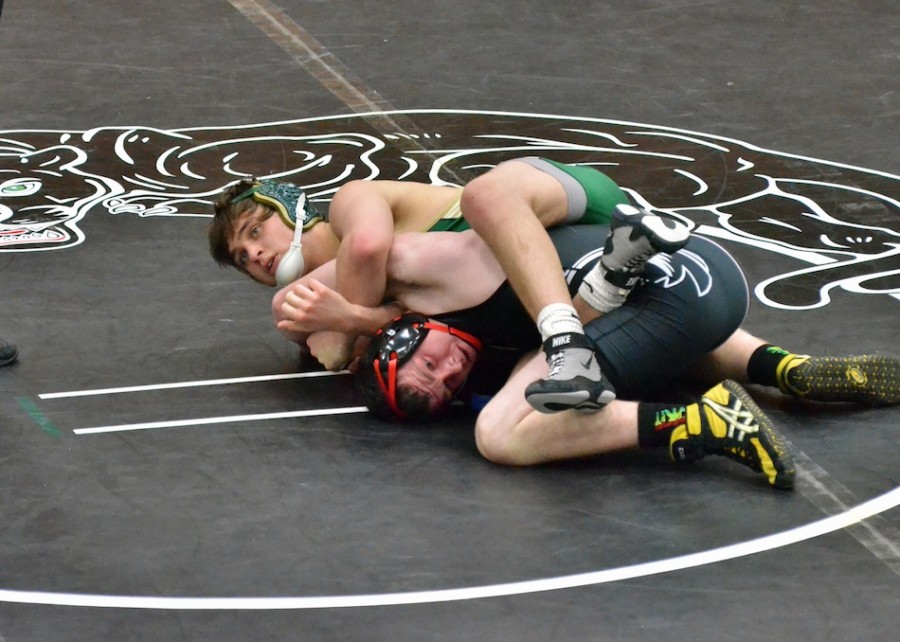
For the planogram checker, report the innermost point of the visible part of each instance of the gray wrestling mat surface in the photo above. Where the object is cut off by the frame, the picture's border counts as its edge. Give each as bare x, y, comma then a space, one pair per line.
169, 469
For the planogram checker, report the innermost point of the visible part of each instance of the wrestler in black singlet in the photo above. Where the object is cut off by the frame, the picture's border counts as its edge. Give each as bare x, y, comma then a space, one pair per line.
686, 305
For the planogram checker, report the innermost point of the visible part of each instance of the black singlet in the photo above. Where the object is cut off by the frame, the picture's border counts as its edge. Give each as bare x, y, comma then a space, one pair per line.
686, 305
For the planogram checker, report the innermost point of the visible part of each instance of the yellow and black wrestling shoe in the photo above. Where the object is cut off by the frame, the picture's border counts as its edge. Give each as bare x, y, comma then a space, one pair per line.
867, 379
728, 422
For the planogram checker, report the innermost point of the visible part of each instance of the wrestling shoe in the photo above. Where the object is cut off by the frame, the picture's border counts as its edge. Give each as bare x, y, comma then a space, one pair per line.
8, 353
635, 235
869, 379
728, 422
574, 381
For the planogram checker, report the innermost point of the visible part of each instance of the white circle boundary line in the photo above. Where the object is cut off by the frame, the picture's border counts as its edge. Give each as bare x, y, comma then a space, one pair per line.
824, 526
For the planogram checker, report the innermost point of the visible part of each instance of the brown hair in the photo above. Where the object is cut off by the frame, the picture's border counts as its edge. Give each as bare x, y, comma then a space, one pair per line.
226, 214
415, 405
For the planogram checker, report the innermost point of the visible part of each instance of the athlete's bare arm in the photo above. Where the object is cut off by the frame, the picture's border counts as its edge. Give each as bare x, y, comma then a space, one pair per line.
430, 273
365, 216
442, 271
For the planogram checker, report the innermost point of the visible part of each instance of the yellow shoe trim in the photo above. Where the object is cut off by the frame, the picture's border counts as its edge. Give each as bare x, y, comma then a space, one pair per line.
784, 367
692, 420
718, 400
765, 461
678, 435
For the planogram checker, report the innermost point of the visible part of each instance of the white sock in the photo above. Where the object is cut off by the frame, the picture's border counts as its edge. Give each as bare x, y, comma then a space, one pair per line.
557, 318
599, 293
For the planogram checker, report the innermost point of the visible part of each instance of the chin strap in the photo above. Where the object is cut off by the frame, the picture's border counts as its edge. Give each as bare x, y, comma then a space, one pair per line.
471, 339
389, 387
290, 202
291, 266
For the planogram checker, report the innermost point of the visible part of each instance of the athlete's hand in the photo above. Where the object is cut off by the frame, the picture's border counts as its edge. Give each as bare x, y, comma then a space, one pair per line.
332, 349
315, 307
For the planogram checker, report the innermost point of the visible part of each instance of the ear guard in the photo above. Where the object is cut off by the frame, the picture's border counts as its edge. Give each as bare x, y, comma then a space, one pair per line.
292, 206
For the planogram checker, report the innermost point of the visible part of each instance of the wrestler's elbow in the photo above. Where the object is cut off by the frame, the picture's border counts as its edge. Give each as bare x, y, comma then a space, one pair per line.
369, 249
277, 302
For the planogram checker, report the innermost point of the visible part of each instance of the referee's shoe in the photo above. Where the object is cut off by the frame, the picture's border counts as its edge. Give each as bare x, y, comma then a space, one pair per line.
8, 353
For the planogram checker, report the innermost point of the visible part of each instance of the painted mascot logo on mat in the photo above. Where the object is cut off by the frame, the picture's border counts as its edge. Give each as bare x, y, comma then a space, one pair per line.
833, 227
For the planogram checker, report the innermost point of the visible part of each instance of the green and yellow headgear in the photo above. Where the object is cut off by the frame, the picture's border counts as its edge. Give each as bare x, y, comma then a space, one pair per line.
283, 198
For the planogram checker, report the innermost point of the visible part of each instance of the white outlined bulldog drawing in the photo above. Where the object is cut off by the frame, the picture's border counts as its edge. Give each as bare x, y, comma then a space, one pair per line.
840, 224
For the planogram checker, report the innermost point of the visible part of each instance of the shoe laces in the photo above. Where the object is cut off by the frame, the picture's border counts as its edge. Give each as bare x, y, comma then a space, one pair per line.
740, 427
638, 261
556, 362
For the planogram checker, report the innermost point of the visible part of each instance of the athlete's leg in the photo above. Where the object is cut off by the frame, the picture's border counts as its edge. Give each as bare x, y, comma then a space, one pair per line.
509, 431
509, 207
871, 379
729, 360
725, 422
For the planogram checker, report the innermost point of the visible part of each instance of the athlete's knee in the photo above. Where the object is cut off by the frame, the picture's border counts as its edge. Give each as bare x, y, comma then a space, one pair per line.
491, 446
483, 199
496, 439
491, 436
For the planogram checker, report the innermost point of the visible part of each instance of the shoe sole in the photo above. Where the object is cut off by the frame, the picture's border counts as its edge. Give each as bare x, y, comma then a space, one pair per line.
868, 379
664, 235
770, 441
551, 402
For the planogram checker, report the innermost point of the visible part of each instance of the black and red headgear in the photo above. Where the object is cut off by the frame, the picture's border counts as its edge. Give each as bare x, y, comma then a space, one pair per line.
389, 349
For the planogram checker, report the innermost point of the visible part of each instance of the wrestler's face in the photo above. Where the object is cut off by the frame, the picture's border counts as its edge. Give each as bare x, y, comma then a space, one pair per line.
438, 368
258, 244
